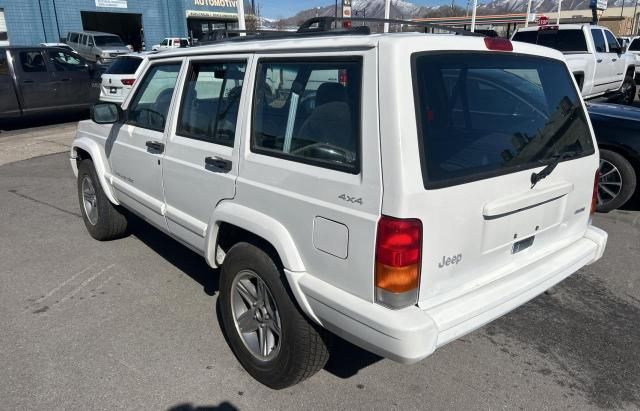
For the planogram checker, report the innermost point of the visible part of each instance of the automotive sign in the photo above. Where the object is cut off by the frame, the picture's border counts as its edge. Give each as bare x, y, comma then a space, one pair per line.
217, 9
118, 4
598, 4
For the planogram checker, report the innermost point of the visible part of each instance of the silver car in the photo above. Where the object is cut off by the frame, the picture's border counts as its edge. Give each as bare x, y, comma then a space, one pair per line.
96, 46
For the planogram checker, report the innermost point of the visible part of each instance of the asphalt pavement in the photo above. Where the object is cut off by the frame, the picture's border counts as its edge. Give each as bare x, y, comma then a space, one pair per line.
132, 324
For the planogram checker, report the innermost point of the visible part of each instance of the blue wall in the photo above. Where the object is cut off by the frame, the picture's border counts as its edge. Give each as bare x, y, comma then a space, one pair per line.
26, 25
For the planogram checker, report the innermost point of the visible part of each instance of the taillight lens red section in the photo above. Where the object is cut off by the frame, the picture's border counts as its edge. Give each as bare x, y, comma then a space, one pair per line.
499, 44
128, 81
594, 198
398, 254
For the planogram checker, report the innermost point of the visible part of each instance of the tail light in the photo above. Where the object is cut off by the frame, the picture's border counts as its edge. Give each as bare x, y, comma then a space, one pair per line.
398, 257
497, 43
594, 197
128, 81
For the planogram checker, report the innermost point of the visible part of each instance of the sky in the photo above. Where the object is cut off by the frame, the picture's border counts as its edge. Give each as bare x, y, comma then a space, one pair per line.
287, 8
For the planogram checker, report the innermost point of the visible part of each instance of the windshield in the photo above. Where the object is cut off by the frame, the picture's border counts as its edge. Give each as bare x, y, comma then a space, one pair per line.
562, 40
483, 115
108, 41
124, 65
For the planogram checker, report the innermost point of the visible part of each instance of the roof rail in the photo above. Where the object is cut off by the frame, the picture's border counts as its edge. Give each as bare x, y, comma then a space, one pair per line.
326, 24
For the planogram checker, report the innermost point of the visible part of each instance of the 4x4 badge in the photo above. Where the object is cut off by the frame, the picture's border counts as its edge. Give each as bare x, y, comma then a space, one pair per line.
350, 199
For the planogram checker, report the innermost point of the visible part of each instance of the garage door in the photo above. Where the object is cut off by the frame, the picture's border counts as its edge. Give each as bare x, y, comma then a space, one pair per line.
4, 39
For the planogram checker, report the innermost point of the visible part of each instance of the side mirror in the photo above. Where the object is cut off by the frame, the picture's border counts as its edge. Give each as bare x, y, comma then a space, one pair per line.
623, 49
106, 113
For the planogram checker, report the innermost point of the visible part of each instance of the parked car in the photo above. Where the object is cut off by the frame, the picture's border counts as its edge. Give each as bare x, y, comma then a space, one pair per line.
119, 78
634, 48
171, 43
58, 45
617, 130
403, 198
44, 79
599, 64
98, 47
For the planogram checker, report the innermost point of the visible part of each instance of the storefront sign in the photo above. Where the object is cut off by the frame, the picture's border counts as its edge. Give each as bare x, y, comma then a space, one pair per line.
118, 4
598, 4
212, 9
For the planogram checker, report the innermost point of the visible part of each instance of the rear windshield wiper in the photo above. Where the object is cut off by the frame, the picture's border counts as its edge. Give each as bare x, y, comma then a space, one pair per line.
556, 159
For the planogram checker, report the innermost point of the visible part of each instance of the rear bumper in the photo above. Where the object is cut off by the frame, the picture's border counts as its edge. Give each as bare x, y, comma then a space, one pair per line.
411, 334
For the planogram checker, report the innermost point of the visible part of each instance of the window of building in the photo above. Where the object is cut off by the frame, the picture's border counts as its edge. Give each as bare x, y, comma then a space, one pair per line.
150, 105
32, 62
211, 100
309, 111
598, 40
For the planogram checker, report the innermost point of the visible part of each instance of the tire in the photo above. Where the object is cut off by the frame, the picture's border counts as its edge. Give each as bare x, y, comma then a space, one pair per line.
103, 220
617, 182
627, 92
300, 350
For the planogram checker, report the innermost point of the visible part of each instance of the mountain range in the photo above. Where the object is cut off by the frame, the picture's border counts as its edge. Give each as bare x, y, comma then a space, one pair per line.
404, 9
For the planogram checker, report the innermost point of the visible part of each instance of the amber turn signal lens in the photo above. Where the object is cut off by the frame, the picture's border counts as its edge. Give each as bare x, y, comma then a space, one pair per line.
397, 279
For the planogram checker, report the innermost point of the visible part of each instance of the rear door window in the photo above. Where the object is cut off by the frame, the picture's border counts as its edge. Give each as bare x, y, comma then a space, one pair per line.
124, 65
32, 62
65, 61
484, 115
309, 111
611, 42
598, 40
210, 102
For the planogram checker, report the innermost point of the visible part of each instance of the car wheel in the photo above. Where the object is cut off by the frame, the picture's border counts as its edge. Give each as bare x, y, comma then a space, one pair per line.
103, 220
627, 92
266, 330
617, 181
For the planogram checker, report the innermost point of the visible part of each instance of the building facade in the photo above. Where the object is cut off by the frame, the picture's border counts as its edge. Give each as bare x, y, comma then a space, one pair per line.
137, 22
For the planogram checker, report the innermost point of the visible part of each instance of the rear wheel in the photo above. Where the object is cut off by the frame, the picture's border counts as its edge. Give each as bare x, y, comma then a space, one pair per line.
627, 92
617, 181
103, 220
266, 330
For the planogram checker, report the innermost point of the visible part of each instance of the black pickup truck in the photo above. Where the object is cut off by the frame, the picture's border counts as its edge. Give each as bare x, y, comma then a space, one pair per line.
45, 79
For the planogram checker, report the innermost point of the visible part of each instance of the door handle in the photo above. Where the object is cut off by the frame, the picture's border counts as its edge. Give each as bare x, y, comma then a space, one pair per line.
28, 81
599, 60
217, 164
155, 146
65, 79
614, 59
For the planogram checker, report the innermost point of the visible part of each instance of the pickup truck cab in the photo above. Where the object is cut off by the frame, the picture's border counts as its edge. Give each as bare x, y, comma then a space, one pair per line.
44, 79
399, 190
171, 43
599, 64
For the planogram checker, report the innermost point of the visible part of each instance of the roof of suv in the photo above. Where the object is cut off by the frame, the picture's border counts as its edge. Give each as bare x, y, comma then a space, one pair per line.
349, 42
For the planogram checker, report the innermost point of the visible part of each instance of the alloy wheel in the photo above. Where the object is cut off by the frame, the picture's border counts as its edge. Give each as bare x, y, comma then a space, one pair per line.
255, 315
89, 200
609, 182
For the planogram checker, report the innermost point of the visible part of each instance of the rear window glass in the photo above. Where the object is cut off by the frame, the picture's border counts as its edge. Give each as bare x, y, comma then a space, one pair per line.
562, 40
484, 115
124, 65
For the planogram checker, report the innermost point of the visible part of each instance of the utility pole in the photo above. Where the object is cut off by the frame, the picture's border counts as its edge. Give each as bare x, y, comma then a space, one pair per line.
634, 31
473, 16
241, 23
387, 10
559, 8
526, 23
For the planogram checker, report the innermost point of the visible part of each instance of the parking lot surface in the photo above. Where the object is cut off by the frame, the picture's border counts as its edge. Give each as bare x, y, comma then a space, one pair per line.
132, 324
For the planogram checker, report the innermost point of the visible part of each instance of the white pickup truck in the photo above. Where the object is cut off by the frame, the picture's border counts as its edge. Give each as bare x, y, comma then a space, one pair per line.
596, 59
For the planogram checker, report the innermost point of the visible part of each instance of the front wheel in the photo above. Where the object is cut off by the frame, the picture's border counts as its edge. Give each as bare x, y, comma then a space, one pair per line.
617, 181
265, 329
103, 220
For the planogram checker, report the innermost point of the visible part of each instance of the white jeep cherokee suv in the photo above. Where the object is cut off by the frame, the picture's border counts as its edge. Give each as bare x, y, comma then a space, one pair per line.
398, 190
